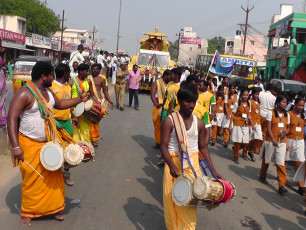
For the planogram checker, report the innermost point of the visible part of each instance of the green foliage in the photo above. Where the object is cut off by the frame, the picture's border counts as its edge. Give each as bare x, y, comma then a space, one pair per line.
216, 43
173, 49
40, 19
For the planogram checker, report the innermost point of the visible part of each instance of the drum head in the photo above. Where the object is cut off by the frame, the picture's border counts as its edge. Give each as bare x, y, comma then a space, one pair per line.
181, 191
73, 154
51, 156
88, 105
90, 146
79, 109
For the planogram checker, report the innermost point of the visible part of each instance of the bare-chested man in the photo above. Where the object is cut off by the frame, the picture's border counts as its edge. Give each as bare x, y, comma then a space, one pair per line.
98, 86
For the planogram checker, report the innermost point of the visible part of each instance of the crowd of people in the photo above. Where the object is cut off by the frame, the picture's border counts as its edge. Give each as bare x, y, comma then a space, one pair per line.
257, 120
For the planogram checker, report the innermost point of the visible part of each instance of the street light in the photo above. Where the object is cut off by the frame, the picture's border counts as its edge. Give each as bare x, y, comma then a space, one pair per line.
118, 27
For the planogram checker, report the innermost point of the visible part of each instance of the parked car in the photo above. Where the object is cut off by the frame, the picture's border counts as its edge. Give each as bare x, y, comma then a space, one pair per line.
289, 85
240, 81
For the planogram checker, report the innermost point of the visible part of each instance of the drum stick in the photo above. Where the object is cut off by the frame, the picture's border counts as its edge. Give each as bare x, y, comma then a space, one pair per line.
34, 169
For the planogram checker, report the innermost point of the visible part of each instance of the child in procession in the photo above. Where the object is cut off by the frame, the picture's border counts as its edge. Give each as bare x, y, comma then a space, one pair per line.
274, 147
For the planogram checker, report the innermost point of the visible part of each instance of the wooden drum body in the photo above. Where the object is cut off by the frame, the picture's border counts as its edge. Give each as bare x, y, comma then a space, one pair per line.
93, 111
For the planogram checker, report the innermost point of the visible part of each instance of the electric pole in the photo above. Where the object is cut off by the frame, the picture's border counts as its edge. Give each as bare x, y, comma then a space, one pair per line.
61, 49
246, 25
118, 27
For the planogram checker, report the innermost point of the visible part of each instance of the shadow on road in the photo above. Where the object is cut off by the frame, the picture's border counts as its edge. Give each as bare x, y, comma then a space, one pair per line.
144, 215
150, 168
287, 202
247, 173
13, 201
278, 223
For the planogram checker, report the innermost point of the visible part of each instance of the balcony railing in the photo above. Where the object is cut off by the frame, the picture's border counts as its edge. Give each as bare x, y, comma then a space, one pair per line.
278, 52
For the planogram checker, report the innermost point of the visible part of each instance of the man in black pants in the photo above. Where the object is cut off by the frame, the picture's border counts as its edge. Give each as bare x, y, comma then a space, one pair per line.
133, 81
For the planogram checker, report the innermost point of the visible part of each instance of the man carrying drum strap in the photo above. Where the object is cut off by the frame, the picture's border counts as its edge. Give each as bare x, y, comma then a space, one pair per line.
196, 139
40, 197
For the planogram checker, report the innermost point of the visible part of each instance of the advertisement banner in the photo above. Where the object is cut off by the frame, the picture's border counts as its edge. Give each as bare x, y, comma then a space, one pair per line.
37, 39
47, 41
9, 35
193, 41
216, 66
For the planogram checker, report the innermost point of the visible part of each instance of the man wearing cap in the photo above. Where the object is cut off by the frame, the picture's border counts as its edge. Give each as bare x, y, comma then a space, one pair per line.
76, 56
120, 85
133, 80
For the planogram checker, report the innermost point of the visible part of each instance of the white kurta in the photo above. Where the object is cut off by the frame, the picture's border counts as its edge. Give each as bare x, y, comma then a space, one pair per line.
256, 135
299, 176
240, 134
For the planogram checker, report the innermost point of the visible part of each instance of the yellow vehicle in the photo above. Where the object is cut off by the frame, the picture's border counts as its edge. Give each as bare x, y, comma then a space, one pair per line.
153, 58
23, 68
244, 67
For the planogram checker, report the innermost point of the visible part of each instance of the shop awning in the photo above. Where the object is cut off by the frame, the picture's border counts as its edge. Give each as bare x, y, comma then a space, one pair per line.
271, 33
17, 47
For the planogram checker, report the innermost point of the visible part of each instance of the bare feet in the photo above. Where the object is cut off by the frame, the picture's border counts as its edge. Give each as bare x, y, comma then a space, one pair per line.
94, 143
58, 216
68, 181
26, 221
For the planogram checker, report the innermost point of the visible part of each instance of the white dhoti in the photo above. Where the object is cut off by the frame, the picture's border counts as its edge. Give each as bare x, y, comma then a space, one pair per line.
296, 152
276, 154
240, 134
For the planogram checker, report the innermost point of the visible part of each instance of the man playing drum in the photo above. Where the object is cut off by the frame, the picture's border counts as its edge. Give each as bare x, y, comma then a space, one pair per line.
40, 197
82, 84
177, 217
98, 85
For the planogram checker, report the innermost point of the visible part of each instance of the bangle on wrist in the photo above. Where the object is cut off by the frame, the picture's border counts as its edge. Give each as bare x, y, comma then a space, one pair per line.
18, 147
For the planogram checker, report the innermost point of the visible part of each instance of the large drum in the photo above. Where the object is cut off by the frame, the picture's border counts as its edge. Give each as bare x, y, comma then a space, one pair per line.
93, 111
52, 156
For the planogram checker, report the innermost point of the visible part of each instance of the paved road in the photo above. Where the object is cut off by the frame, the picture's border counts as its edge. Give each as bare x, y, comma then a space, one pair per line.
123, 188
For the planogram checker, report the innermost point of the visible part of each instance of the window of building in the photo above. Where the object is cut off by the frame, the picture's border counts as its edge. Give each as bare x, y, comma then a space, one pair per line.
199, 46
22, 26
252, 42
230, 44
190, 48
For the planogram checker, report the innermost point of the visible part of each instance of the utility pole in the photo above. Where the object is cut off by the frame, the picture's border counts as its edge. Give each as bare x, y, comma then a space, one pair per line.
178, 44
61, 49
246, 24
118, 27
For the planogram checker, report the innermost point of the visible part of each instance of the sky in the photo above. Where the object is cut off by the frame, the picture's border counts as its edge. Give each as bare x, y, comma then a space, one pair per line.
208, 18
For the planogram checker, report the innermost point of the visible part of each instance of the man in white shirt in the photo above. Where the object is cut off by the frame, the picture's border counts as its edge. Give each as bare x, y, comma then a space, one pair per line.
76, 56
258, 84
74, 71
267, 100
185, 74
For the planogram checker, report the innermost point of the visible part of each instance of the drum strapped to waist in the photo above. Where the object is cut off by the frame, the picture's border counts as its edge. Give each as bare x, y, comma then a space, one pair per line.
93, 111
200, 190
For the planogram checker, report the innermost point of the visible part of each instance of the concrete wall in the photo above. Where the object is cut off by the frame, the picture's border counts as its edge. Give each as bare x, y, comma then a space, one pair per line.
13, 23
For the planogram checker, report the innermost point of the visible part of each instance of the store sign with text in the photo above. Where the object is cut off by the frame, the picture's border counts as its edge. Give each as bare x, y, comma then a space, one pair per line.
37, 39
9, 35
193, 41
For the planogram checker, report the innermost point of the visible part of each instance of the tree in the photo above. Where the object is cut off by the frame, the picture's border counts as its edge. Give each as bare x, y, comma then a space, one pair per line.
173, 49
216, 43
40, 19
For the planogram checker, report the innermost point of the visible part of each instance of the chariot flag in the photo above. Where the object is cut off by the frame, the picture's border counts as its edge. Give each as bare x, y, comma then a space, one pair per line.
216, 66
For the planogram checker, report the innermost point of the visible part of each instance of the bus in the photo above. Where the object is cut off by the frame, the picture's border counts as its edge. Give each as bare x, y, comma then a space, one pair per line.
244, 67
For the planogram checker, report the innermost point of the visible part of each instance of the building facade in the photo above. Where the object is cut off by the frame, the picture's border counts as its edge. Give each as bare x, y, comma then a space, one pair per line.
13, 35
287, 43
190, 45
